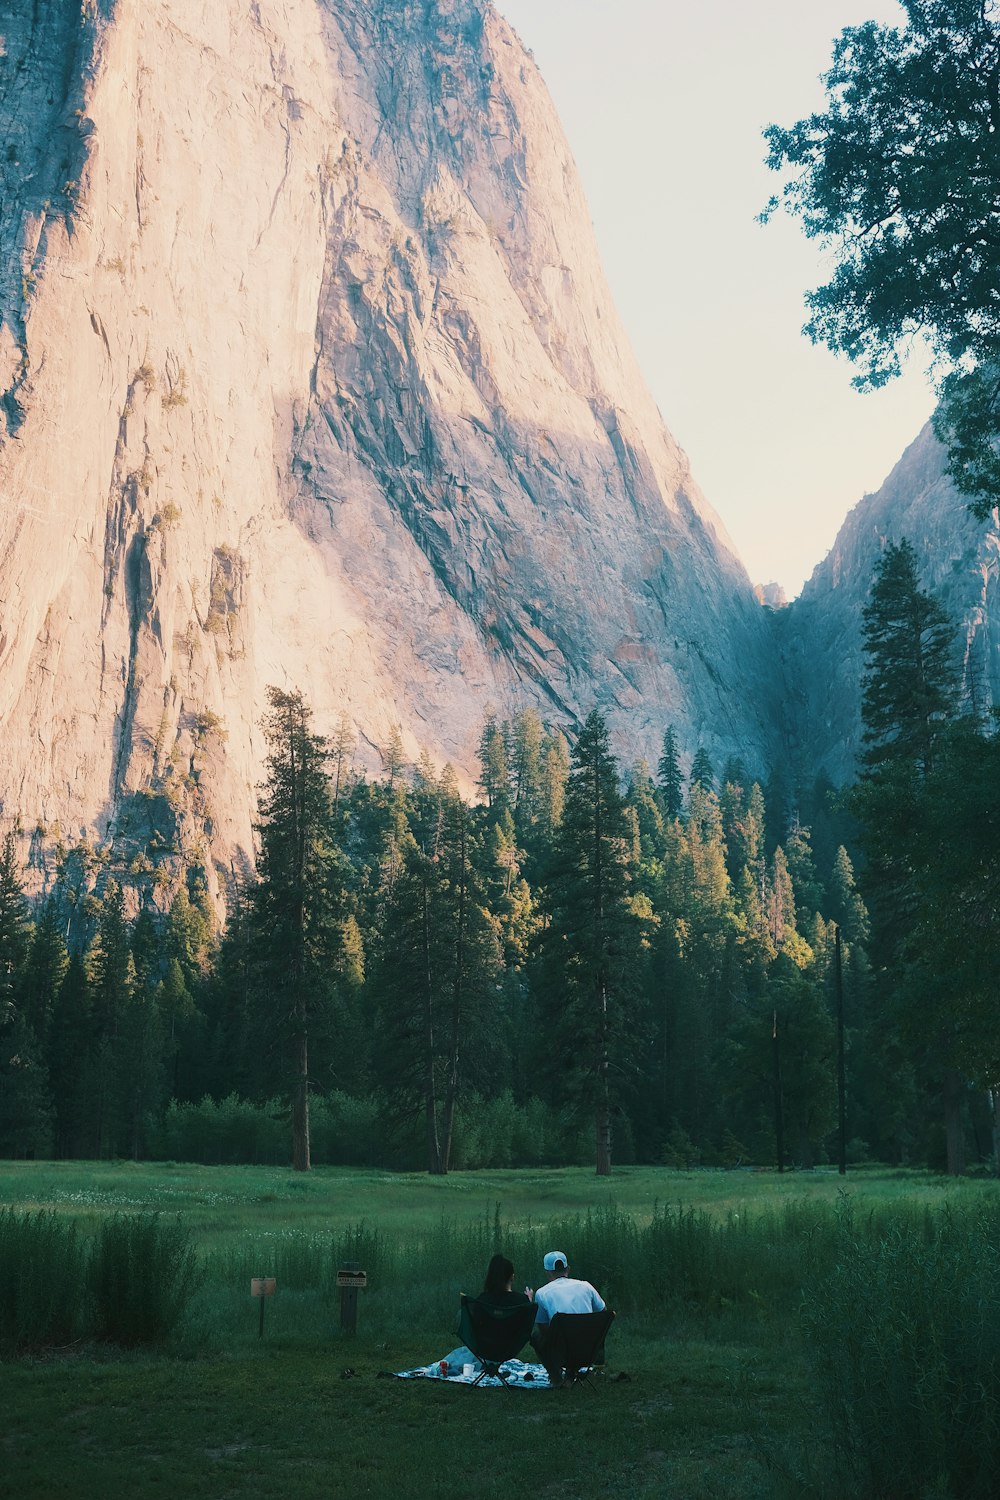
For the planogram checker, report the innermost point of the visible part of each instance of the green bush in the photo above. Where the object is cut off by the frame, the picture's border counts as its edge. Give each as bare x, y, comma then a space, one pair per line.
43, 1267
226, 1132
142, 1274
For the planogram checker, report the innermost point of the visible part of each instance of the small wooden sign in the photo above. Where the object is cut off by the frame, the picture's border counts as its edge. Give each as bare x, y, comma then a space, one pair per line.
356, 1279
263, 1286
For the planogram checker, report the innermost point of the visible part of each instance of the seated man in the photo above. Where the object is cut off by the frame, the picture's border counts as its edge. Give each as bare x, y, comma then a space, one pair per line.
562, 1294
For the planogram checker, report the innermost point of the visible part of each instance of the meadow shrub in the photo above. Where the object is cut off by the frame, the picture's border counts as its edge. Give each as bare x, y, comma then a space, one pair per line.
141, 1275
224, 1132
905, 1338
42, 1263
345, 1131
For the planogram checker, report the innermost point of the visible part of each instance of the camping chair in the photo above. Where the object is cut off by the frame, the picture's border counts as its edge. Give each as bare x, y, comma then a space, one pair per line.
494, 1334
576, 1341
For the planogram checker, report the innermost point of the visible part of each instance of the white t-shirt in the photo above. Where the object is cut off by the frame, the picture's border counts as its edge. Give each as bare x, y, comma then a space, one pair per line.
566, 1295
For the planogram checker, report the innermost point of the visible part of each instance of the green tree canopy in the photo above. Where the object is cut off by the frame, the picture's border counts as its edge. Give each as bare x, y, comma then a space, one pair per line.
900, 175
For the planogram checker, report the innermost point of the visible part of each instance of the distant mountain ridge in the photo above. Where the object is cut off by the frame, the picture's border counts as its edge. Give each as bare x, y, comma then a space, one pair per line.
821, 631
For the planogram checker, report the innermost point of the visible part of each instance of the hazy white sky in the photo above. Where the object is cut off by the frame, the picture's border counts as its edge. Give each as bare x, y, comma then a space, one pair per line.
663, 102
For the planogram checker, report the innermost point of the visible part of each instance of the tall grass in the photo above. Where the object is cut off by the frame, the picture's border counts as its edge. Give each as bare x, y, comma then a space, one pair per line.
131, 1284
142, 1274
904, 1334
42, 1266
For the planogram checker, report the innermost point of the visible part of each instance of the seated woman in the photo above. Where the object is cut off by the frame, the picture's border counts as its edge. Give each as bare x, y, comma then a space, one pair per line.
498, 1288
498, 1294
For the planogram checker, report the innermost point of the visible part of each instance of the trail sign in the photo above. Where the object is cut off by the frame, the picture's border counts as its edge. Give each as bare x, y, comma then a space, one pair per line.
262, 1287
358, 1279
351, 1280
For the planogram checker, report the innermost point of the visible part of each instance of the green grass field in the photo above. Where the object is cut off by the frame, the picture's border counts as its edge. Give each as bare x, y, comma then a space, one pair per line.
706, 1269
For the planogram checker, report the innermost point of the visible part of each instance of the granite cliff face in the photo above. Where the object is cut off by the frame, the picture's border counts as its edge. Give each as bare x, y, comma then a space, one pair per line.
960, 563
309, 375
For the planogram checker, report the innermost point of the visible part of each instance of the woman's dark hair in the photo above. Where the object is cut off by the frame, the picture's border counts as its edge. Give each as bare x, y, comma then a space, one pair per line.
498, 1273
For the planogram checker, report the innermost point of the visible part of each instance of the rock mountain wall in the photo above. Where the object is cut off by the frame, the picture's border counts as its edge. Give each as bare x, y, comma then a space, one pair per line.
309, 375
821, 631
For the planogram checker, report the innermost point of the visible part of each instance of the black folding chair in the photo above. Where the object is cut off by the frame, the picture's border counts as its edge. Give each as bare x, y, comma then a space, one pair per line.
576, 1342
494, 1334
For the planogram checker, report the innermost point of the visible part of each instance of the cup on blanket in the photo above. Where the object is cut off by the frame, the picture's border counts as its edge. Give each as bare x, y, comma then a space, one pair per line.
468, 1371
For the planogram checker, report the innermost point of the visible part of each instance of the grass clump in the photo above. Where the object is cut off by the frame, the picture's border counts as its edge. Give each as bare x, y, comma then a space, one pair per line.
44, 1272
143, 1272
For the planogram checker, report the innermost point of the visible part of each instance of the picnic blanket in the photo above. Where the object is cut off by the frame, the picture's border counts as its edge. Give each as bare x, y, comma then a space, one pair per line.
527, 1377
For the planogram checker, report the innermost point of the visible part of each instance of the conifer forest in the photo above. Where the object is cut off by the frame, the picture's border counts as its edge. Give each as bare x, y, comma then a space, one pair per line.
585, 962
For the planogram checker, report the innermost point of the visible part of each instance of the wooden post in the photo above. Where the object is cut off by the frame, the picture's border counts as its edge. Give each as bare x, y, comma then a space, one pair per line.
262, 1287
351, 1280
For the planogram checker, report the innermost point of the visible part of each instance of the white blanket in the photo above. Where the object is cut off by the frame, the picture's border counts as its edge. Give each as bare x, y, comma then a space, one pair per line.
529, 1377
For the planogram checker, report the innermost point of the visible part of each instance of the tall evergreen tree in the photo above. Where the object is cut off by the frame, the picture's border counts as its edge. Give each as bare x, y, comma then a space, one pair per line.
592, 940
810, 896
908, 695
669, 778
44, 970
13, 926
909, 683
298, 899
527, 747
436, 981
494, 762
702, 771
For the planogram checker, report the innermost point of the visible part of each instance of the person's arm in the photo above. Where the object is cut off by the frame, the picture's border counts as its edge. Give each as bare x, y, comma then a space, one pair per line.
597, 1301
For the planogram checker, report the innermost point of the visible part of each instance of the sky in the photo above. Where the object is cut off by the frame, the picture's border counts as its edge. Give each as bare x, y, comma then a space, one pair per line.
663, 103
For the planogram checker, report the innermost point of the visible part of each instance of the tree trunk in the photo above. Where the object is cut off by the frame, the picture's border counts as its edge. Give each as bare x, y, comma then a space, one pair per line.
300, 1109
779, 1108
953, 1133
451, 1093
603, 1121
435, 1164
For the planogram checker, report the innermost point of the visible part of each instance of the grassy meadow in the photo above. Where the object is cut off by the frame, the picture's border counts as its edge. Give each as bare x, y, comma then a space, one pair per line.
774, 1331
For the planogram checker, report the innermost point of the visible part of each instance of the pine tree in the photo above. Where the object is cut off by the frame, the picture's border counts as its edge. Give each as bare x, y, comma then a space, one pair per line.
111, 975
44, 971
494, 775
13, 926
592, 940
702, 771
25, 1103
527, 744
140, 1063
846, 906
908, 696
555, 773
436, 978
909, 684
393, 756
72, 1062
669, 780
297, 901
642, 798
809, 894
780, 901
343, 743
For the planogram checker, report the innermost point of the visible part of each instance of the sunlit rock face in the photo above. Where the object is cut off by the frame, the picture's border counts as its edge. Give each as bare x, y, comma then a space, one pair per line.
309, 375
959, 561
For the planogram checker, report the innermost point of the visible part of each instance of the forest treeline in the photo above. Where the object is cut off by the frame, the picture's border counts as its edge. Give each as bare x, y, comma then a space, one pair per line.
585, 962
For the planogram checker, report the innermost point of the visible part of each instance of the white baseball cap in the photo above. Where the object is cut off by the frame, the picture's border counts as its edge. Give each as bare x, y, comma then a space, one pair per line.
553, 1259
